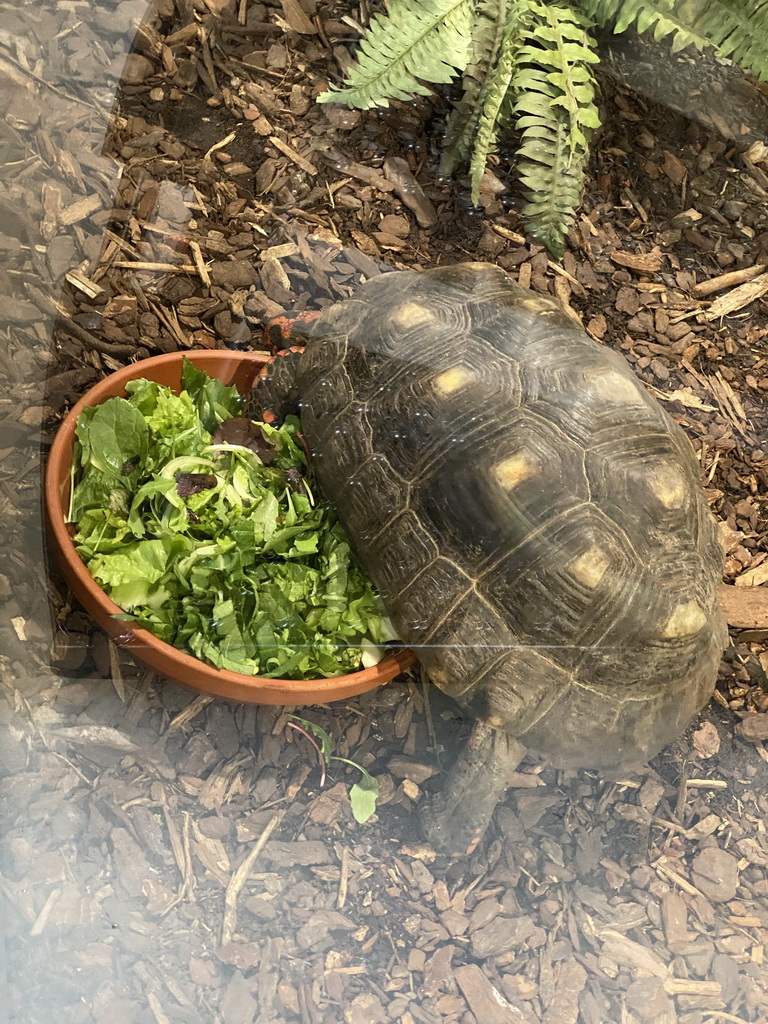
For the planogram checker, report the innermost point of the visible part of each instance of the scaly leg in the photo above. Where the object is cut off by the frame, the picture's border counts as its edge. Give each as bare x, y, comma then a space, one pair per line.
455, 819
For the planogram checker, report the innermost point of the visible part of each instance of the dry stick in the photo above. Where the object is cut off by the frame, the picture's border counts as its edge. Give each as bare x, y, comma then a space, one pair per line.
341, 899
240, 877
678, 880
190, 711
729, 280
291, 153
688, 987
738, 298
165, 268
202, 270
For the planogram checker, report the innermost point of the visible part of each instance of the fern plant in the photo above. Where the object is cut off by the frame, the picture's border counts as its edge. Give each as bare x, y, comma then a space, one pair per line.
527, 64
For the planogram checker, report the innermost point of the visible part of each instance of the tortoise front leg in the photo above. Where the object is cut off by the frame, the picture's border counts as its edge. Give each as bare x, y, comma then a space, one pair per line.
455, 819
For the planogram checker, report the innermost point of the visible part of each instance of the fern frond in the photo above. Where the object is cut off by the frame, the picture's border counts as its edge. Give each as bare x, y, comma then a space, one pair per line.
417, 41
557, 115
735, 28
487, 33
495, 95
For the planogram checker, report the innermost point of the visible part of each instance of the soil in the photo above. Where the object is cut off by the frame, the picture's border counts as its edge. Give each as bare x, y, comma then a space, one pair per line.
168, 857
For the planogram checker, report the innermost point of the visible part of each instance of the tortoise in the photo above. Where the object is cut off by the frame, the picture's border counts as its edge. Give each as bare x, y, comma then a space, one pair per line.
532, 518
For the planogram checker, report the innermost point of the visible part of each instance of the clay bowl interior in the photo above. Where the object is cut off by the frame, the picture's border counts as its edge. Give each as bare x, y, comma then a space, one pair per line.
241, 369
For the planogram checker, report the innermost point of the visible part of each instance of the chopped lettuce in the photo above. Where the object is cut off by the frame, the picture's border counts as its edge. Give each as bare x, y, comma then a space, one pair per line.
215, 546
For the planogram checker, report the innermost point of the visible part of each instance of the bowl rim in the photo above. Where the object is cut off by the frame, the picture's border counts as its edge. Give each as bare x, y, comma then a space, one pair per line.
191, 671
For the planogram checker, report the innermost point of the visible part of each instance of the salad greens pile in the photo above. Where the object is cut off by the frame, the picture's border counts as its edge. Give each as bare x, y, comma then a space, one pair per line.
201, 525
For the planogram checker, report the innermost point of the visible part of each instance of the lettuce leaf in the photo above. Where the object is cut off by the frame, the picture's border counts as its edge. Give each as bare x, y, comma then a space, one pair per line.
245, 572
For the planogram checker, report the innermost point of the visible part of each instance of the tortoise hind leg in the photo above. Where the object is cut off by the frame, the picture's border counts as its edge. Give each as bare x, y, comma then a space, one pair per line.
455, 819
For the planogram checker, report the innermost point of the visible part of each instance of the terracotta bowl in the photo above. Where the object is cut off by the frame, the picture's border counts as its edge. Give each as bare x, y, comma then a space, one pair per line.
241, 369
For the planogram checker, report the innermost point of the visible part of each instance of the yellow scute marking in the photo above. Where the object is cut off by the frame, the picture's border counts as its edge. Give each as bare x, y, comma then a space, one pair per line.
409, 314
514, 470
590, 567
685, 620
615, 388
451, 380
667, 484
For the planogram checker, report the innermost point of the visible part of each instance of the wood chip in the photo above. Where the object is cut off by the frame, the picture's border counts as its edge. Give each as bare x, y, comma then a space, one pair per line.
80, 210
738, 298
296, 19
485, 1001
674, 916
647, 262
745, 607
84, 284
626, 951
291, 153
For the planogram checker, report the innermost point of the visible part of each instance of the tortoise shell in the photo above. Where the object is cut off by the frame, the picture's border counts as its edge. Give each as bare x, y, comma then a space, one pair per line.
531, 516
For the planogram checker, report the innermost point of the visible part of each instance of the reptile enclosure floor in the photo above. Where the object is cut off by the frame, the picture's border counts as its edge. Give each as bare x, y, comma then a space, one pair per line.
134, 884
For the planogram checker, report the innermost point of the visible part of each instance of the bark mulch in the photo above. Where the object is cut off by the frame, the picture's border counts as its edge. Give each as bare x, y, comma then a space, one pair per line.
172, 858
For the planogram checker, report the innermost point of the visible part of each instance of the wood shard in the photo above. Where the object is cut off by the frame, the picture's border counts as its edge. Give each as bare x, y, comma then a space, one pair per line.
738, 298
84, 284
648, 262
485, 1001
291, 153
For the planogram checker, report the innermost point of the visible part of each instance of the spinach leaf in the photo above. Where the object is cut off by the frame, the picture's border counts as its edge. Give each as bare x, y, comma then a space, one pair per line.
117, 437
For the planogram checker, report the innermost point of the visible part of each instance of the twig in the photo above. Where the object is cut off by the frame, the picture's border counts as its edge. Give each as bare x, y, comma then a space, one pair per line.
722, 281
240, 877
341, 898
165, 268
428, 714
291, 153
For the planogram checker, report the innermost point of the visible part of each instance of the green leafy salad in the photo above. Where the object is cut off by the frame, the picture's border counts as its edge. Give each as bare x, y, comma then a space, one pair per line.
202, 526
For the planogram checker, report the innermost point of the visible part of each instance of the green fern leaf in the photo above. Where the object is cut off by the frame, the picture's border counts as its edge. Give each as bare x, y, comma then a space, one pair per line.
496, 106
556, 115
735, 28
417, 41
487, 33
